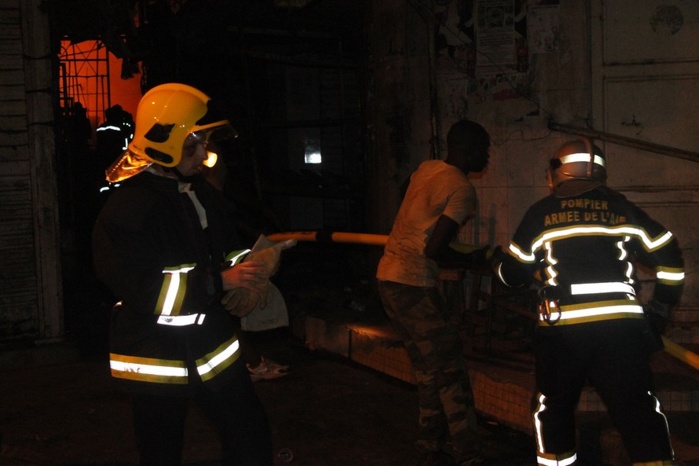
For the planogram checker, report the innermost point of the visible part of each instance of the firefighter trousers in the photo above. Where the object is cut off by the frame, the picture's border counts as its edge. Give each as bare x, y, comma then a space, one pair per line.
613, 357
235, 412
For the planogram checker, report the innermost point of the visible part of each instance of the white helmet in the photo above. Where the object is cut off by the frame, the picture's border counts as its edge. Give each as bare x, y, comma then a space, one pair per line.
577, 167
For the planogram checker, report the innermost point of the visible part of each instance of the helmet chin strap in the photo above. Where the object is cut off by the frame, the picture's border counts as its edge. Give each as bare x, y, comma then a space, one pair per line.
591, 163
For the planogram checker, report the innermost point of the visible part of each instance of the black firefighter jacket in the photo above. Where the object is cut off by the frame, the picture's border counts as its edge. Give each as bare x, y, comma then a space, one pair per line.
585, 250
168, 329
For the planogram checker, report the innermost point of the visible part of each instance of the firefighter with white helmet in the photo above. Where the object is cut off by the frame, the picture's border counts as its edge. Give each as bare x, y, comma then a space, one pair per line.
581, 247
163, 247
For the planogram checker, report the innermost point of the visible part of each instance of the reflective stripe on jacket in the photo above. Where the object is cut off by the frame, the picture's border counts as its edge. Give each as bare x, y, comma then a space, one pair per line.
173, 371
585, 250
169, 332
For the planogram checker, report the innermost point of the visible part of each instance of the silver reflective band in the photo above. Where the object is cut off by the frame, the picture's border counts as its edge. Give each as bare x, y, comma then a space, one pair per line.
537, 422
671, 276
173, 288
498, 271
108, 128
564, 462
600, 311
659, 410
651, 244
540, 459
181, 321
234, 260
218, 359
521, 254
582, 157
148, 369
609, 287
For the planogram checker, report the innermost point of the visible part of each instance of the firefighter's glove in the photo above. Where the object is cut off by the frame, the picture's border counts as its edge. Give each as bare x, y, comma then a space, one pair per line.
242, 301
249, 280
657, 314
270, 254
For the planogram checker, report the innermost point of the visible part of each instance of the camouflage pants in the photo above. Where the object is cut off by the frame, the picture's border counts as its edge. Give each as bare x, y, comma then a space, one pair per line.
446, 412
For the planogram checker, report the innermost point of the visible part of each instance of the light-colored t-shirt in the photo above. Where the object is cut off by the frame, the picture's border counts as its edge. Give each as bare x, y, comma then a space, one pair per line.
436, 188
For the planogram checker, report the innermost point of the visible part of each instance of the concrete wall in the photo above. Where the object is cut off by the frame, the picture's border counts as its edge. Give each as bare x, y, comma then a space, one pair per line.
554, 72
422, 84
30, 282
587, 64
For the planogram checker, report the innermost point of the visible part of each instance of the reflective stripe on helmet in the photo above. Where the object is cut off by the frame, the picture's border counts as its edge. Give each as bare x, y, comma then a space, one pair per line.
583, 157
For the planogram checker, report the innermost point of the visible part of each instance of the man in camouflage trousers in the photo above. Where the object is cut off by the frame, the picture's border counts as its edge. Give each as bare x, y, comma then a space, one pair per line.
438, 201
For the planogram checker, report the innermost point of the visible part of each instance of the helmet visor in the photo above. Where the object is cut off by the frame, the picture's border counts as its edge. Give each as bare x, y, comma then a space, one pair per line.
209, 138
215, 132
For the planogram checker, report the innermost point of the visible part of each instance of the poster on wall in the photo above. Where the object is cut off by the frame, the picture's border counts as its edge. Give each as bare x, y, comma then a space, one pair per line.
495, 33
488, 45
455, 39
543, 30
490, 37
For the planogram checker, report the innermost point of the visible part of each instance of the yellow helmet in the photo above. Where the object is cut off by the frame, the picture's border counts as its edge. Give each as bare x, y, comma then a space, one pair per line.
166, 115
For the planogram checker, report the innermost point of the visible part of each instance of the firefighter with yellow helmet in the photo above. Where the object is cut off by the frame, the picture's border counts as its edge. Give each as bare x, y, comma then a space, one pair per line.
163, 248
581, 246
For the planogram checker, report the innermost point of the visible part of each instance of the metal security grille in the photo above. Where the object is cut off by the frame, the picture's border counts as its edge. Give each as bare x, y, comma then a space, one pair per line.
84, 78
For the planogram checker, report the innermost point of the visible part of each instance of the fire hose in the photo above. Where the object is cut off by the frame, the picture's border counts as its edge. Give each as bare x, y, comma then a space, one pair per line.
688, 357
321, 236
681, 353
348, 237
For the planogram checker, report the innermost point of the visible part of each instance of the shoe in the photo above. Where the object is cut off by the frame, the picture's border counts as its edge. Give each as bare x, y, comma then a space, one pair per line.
266, 370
